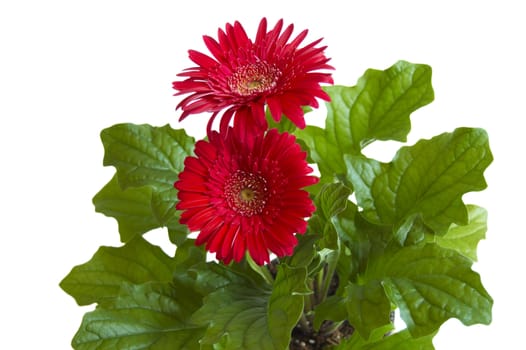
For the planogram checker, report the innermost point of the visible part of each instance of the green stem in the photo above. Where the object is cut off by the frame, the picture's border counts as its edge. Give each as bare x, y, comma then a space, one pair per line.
319, 285
329, 274
263, 271
332, 328
268, 275
304, 323
307, 303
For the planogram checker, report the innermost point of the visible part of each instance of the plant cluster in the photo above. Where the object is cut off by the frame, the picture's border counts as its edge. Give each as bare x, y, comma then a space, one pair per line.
270, 254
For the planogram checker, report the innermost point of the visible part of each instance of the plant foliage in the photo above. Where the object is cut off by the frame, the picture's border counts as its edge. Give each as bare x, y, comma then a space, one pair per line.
396, 235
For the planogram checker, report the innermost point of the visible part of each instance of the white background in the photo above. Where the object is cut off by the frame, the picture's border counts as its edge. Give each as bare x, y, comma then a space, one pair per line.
71, 68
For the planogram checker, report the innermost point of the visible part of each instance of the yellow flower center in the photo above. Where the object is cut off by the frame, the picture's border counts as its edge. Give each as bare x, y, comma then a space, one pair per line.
246, 193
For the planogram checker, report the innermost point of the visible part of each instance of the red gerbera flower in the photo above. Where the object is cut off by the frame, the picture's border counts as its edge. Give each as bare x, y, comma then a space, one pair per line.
246, 196
246, 75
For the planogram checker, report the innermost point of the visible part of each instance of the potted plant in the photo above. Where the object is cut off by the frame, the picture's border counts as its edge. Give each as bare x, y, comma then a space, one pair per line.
271, 253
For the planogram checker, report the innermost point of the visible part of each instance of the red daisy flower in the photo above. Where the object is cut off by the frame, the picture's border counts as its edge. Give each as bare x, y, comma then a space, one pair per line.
246, 75
246, 196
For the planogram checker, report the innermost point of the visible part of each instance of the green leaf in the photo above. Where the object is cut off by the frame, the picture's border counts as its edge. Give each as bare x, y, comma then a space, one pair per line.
188, 255
367, 307
241, 317
211, 276
141, 196
331, 200
285, 305
464, 239
412, 230
178, 235
149, 316
403, 341
331, 309
254, 317
431, 284
356, 245
99, 280
322, 151
140, 209
362, 172
146, 155
428, 178
132, 208
304, 252
284, 125
378, 107
163, 210
398, 341
362, 242
163, 207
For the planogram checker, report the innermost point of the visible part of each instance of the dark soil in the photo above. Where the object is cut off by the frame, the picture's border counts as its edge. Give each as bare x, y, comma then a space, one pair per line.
318, 340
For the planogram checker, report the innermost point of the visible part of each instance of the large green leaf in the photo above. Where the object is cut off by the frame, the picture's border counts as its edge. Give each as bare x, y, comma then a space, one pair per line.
465, 238
362, 172
141, 196
188, 255
285, 305
332, 309
238, 316
428, 179
163, 210
149, 316
212, 276
377, 108
367, 307
324, 152
163, 207
132, 208
399, 341
245, 316
431, 284
146, 155
99, 280
140, 209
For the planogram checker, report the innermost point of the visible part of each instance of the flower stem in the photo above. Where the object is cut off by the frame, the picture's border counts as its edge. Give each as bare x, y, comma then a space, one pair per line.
304, 323
263, 271
332, 328
307, 303
319, 286
332, 261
